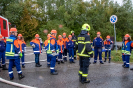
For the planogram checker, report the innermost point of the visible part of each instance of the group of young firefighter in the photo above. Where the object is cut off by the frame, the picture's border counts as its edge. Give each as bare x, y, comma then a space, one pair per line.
13, 49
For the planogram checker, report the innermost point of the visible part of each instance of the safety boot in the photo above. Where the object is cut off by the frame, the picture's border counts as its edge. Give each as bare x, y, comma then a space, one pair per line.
37, 65
4, 67
12, 78
54, 73
58, 62
85, 80
0, 66
105, 60
23, 66
73, 61
123, 65
131, 68
62, 61
101, 63
20, 76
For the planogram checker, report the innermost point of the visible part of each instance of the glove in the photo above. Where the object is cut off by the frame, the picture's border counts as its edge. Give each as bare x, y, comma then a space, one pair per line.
77, 57
91, 55
54, 54
40, 40
24, 49
20, 55
33, 45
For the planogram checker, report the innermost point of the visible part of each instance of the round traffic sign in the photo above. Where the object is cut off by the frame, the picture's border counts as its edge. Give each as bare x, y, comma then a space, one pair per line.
113, 19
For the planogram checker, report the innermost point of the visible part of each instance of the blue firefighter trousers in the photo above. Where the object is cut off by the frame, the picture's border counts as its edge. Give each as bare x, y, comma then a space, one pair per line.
17, 64
98, 51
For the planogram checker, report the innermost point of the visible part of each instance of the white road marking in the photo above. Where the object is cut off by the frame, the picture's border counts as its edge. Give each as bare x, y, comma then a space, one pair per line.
15, 84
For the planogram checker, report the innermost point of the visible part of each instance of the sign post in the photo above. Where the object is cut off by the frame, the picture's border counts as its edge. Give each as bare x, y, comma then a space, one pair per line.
113, 20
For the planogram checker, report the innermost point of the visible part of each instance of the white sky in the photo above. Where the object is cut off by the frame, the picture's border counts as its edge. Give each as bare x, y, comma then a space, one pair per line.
118, 1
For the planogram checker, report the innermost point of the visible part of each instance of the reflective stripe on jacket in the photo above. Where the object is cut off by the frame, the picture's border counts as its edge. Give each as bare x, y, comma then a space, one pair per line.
38, 46
12, 48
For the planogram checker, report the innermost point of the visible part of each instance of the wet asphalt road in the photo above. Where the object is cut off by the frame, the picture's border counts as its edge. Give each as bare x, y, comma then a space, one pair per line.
109, 75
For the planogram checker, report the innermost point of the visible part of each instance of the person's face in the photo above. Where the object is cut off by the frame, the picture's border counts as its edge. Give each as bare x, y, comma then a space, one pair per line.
60, 38
70, 38
98, 35
19, 37
55, 34
108, 38
37, 37
126, 38
0, 39
72, 34
64, 36
15, 33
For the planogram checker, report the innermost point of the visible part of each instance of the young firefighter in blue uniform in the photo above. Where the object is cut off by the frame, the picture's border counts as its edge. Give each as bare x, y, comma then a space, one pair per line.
98, 44
45, 42
52, 51
37, 48
107, 45
127, 44
2, 52
13, 53
74, 38
22, 46
61, 48
70, 48
83, 46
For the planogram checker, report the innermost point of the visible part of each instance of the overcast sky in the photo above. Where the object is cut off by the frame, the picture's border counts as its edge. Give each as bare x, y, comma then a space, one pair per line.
119, 1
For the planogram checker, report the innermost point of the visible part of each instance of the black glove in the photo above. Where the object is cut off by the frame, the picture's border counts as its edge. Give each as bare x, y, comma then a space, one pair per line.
91, 55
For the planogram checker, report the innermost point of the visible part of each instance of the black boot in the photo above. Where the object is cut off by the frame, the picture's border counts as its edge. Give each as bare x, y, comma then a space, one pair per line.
12, 78
0, 66
85, 80
80, 77
4, 67
62, 61
37, 65
20, 76
94, 62
131, 68
123, 65
101, 63
23, 66
105, 60
109, 61
54, 73
58, 62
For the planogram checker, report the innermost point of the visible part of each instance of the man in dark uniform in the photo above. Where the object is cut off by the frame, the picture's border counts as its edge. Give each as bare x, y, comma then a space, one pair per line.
74, 38
83, 46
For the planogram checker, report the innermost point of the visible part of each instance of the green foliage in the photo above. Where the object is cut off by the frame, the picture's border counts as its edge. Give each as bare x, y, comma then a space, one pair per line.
33, 16
116, 56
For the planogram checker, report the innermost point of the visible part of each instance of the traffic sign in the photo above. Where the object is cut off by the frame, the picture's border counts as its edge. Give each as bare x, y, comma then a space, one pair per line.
113, 19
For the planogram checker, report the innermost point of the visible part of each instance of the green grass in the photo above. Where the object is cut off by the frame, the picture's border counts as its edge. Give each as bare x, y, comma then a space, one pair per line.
117, 56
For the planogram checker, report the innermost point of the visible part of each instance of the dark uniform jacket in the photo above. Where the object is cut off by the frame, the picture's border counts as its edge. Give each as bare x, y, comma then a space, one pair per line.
83, 44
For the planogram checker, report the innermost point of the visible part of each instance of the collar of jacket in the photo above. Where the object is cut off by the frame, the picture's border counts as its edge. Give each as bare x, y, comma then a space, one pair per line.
13, 36
83, 32
53, 36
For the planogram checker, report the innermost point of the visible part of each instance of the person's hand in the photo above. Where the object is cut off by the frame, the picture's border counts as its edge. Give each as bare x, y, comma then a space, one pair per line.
91, 55
40, 40
20, 55
33, 45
